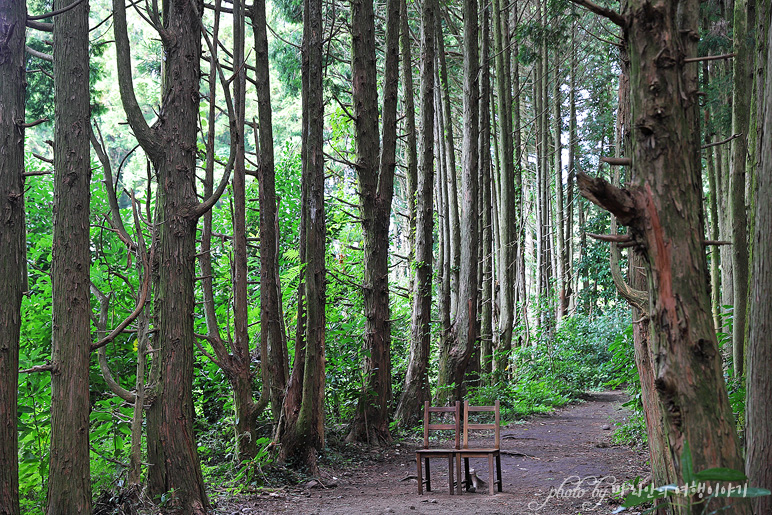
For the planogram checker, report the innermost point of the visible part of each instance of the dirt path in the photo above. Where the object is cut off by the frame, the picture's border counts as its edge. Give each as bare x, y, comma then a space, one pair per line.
550, 465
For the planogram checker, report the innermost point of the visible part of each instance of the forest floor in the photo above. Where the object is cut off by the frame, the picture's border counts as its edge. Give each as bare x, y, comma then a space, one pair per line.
561, 463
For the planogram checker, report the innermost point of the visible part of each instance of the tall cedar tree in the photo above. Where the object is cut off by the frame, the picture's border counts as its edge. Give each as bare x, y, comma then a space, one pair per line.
376, 187
13, 15
741, 104
69, 481
171, 145
416, 389
465, 327
759, 383
663, 209
302, 430
273, 340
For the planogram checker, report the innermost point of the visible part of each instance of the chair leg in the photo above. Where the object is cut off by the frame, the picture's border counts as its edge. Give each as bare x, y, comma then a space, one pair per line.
498, 470
467, 479
450, 473
459, 481
490, 474
419, 472
428, 475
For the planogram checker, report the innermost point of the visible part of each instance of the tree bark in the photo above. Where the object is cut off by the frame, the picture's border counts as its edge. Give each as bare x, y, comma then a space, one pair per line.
465, 328
69, 481
13, 244
302, 434
758, 381
273, 339
411, 146
448, 142
376, 186
742, 90
171, 146
416, 389
486, 304
664, 211
506, 179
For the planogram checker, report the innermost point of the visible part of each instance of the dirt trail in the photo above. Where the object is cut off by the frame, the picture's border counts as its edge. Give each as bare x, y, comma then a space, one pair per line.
550, 465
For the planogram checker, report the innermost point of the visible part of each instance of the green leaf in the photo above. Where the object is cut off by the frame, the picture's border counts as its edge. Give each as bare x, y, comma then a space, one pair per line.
648, 495
720, 474
740, 491
687, 471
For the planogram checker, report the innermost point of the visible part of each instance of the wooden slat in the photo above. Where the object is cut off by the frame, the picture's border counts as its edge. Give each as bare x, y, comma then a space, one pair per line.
442, 426
481, 426
442, 409
482, 408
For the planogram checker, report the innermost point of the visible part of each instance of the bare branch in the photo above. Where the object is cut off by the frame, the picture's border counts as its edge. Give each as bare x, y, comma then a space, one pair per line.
41, 26
612, 15
55, 13
716, 143
617, 161
139, 125
615, 238
708, 58
40, 55
603, 194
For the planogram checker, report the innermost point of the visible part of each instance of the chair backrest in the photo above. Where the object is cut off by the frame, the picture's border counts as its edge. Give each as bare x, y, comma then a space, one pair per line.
455, 426
495, 426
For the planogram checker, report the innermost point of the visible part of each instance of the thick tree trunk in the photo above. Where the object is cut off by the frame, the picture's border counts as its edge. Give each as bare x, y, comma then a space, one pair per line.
171, 442
69, 481
376, 186
742, 90
302, 433
13, 245
561, 247
273, 339
664, 211
758, 381
465, 329
416, 389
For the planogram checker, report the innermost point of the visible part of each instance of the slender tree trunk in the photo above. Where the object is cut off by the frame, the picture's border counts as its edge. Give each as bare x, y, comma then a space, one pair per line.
664, 210
416, 389
13, 245
486, 306
448, 141
69, 481
572, 145
376, 186
273, 339
465, 329
506, 178
411, 146
742, 90
758, 381
715, 260
562, 248
245, 412
302, 434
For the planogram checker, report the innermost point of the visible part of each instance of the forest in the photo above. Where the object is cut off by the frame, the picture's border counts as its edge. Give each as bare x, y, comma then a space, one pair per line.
241, 240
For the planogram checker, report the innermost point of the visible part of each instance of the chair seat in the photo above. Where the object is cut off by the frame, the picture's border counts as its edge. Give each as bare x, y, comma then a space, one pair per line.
478, 452
436, 451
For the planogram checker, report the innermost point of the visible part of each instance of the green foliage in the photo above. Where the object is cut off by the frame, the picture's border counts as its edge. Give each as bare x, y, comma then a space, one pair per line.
555, 372
696, 491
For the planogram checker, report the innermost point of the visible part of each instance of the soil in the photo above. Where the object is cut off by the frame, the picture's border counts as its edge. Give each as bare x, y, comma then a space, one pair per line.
562, 463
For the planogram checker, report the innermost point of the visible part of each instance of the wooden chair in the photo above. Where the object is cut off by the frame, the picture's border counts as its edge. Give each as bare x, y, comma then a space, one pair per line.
492, 453
450, 453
